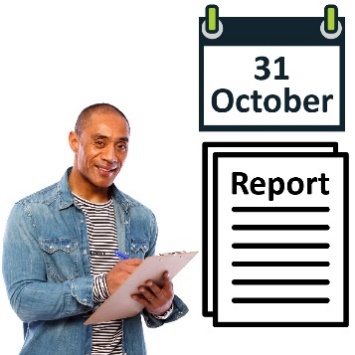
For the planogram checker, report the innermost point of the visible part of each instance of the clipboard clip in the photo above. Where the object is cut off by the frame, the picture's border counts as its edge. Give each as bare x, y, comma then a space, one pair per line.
173, 253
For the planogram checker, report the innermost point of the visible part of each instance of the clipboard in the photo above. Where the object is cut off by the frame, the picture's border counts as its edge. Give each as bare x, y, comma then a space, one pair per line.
120, 305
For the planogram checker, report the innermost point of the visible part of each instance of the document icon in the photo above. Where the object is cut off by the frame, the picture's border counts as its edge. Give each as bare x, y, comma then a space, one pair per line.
280, 235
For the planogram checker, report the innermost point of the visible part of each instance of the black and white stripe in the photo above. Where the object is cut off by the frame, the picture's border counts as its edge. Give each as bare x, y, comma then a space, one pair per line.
102, 235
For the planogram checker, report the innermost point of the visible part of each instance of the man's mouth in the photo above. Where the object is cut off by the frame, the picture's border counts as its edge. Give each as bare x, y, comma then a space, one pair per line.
111, 169
107, 170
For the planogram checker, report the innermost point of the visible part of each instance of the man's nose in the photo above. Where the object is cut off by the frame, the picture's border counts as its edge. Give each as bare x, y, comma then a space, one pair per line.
109, 154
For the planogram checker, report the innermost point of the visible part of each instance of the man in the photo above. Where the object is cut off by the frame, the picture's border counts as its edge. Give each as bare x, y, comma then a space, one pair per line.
59, 258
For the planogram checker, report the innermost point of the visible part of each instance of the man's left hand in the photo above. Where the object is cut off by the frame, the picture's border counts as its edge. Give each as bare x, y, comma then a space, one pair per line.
157, 300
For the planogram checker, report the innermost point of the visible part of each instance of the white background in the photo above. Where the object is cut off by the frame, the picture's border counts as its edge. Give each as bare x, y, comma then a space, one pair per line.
59, 56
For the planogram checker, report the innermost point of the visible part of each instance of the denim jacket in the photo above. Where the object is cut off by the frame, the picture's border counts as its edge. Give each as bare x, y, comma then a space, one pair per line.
46, 268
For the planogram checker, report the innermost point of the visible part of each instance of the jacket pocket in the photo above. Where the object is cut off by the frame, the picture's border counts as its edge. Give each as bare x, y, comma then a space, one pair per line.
139, 248
61, 257
67, 245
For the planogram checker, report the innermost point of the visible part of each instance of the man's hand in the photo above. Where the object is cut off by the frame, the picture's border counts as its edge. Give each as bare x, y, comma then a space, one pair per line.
157, 300
120, 272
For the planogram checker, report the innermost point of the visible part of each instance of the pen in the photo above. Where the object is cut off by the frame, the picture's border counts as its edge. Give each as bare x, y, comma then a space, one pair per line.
121, 255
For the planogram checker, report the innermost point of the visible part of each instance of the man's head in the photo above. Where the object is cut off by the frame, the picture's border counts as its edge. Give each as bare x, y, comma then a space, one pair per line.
100, 144
85, 115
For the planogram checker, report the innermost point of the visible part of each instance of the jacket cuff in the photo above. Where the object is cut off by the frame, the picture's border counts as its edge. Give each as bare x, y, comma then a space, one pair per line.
82, 290
179, 310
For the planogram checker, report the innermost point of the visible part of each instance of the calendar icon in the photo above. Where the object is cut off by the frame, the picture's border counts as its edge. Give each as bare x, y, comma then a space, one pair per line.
272, 73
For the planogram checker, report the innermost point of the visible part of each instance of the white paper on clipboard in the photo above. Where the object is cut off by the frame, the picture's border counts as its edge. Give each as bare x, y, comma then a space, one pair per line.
120, 304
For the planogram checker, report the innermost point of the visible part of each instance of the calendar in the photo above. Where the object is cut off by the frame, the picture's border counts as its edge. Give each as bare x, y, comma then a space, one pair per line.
272, 74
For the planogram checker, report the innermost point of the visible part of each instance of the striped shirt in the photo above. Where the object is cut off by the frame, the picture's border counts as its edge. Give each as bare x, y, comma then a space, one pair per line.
102, 235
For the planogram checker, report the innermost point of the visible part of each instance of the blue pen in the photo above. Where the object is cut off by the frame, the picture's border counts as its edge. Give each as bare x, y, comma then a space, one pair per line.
121, 255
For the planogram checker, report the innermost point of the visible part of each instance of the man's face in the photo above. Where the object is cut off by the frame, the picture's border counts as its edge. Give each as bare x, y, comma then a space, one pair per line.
100, 150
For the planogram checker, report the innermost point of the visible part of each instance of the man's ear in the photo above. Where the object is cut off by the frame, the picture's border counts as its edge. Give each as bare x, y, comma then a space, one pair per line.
73, 141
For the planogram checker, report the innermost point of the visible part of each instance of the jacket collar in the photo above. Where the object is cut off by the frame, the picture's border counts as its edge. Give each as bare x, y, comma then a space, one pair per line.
66, 198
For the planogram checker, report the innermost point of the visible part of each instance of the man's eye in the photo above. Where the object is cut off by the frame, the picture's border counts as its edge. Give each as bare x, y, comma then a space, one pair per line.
122, 147
99, 144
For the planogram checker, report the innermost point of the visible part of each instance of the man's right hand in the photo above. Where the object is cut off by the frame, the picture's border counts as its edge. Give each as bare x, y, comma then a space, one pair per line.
120, 272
